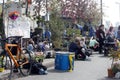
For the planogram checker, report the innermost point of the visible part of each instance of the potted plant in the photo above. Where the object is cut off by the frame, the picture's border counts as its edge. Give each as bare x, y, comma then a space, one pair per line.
115, 65
13, 15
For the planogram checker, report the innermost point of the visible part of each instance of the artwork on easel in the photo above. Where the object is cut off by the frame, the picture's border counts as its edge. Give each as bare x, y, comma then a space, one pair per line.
17, 25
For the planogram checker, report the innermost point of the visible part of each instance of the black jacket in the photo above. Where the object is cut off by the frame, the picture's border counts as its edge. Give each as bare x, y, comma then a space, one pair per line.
101, 35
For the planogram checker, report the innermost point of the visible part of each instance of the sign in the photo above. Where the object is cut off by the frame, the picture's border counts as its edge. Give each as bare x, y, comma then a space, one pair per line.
18, 27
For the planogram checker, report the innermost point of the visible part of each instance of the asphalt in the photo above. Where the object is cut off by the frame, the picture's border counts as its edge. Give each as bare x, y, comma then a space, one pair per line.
49, 62
97, 61
93, 68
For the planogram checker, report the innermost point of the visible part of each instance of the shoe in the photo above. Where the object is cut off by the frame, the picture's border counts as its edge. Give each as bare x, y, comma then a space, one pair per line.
45, 72
88, 54
41, 71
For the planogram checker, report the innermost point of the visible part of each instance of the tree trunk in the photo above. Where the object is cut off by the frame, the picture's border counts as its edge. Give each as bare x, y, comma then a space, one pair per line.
2, 21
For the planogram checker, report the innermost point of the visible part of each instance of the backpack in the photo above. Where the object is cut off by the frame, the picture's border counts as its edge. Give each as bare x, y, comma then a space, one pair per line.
38, 68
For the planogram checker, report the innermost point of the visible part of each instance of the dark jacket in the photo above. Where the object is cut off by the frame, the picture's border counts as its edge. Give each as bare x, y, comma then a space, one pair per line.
73, 47
101, 35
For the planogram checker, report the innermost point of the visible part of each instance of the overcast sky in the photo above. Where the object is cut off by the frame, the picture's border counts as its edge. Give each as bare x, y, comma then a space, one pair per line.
111, 9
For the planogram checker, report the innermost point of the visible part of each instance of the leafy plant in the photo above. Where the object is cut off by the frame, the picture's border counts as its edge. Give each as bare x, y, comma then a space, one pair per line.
73, 32
56, 28
115, 56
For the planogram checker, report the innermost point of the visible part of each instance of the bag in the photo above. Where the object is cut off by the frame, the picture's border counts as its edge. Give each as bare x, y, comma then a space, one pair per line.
88, 52
38, 68
48, 55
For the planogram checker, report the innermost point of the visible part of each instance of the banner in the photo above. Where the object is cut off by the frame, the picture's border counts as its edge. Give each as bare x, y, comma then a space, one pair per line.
18, 27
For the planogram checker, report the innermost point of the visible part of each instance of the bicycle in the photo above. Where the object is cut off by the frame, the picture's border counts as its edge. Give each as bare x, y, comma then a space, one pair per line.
22, 59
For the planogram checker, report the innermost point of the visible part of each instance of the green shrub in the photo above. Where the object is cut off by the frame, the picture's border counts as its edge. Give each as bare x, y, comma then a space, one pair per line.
73, 32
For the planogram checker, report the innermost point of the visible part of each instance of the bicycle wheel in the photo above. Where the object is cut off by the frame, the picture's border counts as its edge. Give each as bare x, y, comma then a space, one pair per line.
6, 63
25, 62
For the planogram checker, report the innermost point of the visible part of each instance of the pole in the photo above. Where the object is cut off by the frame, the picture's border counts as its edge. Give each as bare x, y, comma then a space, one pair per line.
101, 12
2, 15
46, 11
3, 4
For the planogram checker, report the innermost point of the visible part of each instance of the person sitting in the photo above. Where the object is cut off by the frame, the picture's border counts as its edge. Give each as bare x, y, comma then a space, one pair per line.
84, 46
93, 44
30, 46
75, 47
82, 42
44, 46
110, 37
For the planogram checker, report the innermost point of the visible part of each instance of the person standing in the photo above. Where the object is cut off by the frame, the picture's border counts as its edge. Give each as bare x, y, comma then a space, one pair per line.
47, 35
110, 37
101, 37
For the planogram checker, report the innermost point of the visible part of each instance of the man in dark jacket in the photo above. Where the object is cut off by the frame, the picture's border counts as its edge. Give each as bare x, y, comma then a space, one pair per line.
75, 47
101, 37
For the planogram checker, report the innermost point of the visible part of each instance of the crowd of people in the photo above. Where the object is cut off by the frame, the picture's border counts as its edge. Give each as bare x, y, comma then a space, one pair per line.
108, 38
99, 42
38, 48
103, 41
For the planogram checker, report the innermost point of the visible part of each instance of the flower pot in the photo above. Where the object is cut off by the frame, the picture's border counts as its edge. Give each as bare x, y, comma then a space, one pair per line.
110, 73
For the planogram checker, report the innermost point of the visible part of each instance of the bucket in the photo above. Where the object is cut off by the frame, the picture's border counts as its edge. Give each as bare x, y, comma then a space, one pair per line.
64, 61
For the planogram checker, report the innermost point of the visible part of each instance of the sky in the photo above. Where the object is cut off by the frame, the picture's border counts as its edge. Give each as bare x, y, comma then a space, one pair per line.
111, 9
